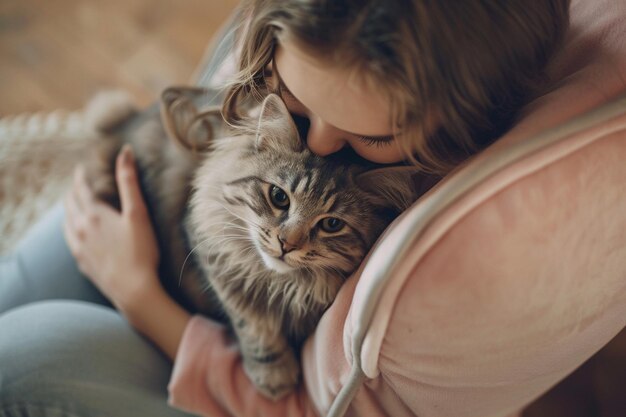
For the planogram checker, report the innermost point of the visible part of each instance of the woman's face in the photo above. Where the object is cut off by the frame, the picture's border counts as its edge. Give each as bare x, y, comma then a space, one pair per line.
342, 110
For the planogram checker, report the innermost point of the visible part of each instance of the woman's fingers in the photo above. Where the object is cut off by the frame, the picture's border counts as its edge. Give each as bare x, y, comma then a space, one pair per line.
72, 210
127, 183
84, 211
70, 236
83, 194
79, 207
72, 229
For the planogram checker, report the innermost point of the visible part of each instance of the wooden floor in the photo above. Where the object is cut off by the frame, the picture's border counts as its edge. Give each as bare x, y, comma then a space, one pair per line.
58, 53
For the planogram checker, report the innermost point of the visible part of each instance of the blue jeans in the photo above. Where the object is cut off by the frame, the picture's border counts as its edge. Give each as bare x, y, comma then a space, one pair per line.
64, 349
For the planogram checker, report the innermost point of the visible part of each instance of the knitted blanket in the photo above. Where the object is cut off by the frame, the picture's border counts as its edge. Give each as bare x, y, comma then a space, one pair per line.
38, 153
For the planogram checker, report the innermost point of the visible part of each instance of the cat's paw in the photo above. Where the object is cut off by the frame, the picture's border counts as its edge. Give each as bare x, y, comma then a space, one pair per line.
274, 376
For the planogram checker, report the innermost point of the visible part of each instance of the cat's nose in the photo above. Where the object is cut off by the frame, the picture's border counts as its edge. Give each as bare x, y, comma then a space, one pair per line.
286, 246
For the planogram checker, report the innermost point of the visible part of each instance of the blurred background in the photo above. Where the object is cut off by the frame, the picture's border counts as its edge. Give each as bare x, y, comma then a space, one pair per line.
58, 53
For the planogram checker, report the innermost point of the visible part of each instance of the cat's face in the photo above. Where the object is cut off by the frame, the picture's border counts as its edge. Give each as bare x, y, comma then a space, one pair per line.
307, 212
309, 218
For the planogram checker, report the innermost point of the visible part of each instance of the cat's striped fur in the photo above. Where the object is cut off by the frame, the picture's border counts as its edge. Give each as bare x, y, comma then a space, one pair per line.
270, 271
236, 232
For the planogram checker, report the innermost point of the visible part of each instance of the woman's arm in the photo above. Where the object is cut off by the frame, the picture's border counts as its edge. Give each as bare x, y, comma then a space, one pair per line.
118, 252
161, 319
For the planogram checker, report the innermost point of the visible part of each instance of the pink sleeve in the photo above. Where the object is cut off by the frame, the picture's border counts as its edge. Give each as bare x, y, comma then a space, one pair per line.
208, 378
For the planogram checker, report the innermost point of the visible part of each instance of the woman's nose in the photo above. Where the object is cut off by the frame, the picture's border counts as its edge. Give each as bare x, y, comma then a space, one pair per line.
324, 139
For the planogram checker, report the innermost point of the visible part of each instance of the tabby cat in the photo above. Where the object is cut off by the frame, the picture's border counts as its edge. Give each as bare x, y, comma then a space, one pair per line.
257, 230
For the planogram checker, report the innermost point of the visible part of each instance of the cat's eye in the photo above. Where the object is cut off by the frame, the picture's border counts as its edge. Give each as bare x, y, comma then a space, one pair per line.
279, 198
332, 224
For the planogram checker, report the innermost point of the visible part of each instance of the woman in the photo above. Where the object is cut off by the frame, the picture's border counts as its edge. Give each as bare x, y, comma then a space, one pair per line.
429, 82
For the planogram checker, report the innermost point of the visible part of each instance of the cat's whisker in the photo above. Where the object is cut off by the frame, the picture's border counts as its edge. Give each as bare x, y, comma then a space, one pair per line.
249, 249
332, 269
228, 224
247, 221
231, 227
221, 242
228, 238
182, 268
236, 226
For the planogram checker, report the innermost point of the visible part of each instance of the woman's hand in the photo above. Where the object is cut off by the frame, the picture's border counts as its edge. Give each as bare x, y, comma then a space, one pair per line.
119, 254
116, 250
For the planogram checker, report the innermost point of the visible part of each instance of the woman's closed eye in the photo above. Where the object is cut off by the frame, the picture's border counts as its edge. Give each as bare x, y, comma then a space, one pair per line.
378, 141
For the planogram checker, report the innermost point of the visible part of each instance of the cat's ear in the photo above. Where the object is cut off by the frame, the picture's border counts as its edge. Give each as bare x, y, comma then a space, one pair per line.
276, 129
393, 187
183, 120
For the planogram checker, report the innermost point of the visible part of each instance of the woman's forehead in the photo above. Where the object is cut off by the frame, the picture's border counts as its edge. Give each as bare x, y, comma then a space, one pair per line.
333, 94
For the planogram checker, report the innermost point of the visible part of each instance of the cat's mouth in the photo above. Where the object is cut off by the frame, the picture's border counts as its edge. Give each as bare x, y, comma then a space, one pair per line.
275, 264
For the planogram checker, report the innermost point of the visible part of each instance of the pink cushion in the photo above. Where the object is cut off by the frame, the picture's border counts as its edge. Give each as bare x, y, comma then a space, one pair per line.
516, 283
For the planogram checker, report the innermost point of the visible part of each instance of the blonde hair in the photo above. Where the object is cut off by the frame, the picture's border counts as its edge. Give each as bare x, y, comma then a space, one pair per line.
469, 64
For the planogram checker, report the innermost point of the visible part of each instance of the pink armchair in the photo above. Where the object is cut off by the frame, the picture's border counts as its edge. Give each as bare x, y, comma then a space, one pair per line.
494, 286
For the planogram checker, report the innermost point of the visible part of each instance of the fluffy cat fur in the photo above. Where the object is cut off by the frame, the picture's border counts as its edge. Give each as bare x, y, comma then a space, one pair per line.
271, 229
